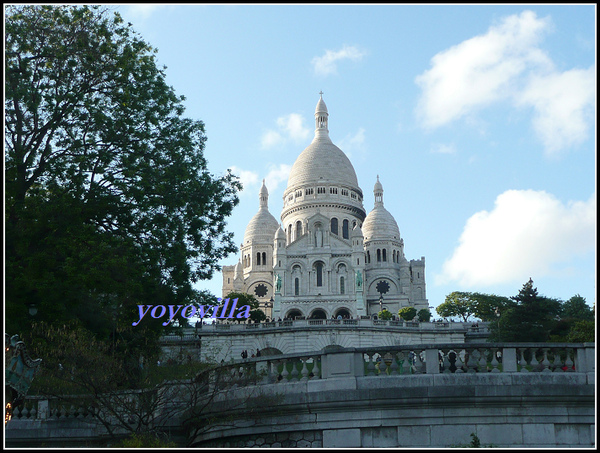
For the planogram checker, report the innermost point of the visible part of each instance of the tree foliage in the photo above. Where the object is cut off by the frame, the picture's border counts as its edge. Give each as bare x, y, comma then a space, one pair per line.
109, 202
576, 308
384, 315
459, 304
407, 313
256, 314
424, 315
531, 319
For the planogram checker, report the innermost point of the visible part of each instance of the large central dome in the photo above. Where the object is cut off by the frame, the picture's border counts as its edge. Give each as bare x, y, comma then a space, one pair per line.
322, 162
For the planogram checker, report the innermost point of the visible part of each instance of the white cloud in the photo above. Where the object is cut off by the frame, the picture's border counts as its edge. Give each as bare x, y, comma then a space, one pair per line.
480, 70
563, 102
247, 178
293, 125
144, 10
353, 144
506, 64
289, 128
252, 182
271, 139
327, 64
277, 174
527, 234
441, 148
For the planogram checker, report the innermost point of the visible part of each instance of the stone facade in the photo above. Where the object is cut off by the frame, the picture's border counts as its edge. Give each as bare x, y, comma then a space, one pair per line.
328, 258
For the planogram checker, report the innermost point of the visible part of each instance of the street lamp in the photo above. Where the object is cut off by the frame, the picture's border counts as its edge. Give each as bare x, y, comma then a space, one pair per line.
380, 301
269, 304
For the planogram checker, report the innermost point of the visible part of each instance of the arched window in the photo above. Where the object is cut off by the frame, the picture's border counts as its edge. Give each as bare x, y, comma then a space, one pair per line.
258, 259
264, 258
379, 255
368, 257
334, 225
342, 286
298, 229
384, 255
345, 234
296, 286
319, 268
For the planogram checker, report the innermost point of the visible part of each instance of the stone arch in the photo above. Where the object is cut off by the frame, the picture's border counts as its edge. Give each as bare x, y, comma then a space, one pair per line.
294, 313
373, 285
318, 313
343, 311
270, 351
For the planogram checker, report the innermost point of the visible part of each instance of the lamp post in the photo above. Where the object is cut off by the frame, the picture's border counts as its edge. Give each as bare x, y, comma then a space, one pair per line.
380, 302
269, 304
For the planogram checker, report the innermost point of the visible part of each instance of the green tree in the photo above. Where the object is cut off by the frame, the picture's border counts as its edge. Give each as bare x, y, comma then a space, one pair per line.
531, 319
109, 203
256, 314
424, 315
577, 308
582, 331
384, 315
407, 313
459, 304
488, 307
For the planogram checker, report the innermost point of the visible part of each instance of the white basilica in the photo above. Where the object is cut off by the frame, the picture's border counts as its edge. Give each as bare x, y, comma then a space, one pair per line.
328, 257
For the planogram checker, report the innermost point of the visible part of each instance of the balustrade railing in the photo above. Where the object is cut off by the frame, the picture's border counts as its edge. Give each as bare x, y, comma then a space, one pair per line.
377, 362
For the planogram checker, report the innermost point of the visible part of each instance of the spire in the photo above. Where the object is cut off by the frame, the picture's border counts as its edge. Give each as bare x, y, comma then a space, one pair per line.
378, 192
263, 196
321, 118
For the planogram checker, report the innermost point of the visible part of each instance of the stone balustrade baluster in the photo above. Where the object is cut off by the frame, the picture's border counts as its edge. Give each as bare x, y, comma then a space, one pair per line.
482, 362
545, 361
382, 365
418, 367
370, 365
446, 364
471, 361
284, 372
316, 371
494, 363
304, 371
406, 365
394, 365
294, 374
568, 361
535, 365
522, 361
557, 363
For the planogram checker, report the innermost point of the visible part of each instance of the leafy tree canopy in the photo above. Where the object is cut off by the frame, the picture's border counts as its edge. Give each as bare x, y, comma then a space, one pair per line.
459, 304
577, 308
407, 313
384, 315
424, 315
256, 314
109, 203
531, 319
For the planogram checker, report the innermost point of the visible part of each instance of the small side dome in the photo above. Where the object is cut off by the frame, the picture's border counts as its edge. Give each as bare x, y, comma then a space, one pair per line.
279, 234
263, 225
380, 224
357, 231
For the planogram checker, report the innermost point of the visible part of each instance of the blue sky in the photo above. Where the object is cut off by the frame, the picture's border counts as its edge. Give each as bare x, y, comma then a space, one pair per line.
479, 121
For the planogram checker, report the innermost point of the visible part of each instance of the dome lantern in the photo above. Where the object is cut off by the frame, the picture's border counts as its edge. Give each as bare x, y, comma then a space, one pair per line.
321, 117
